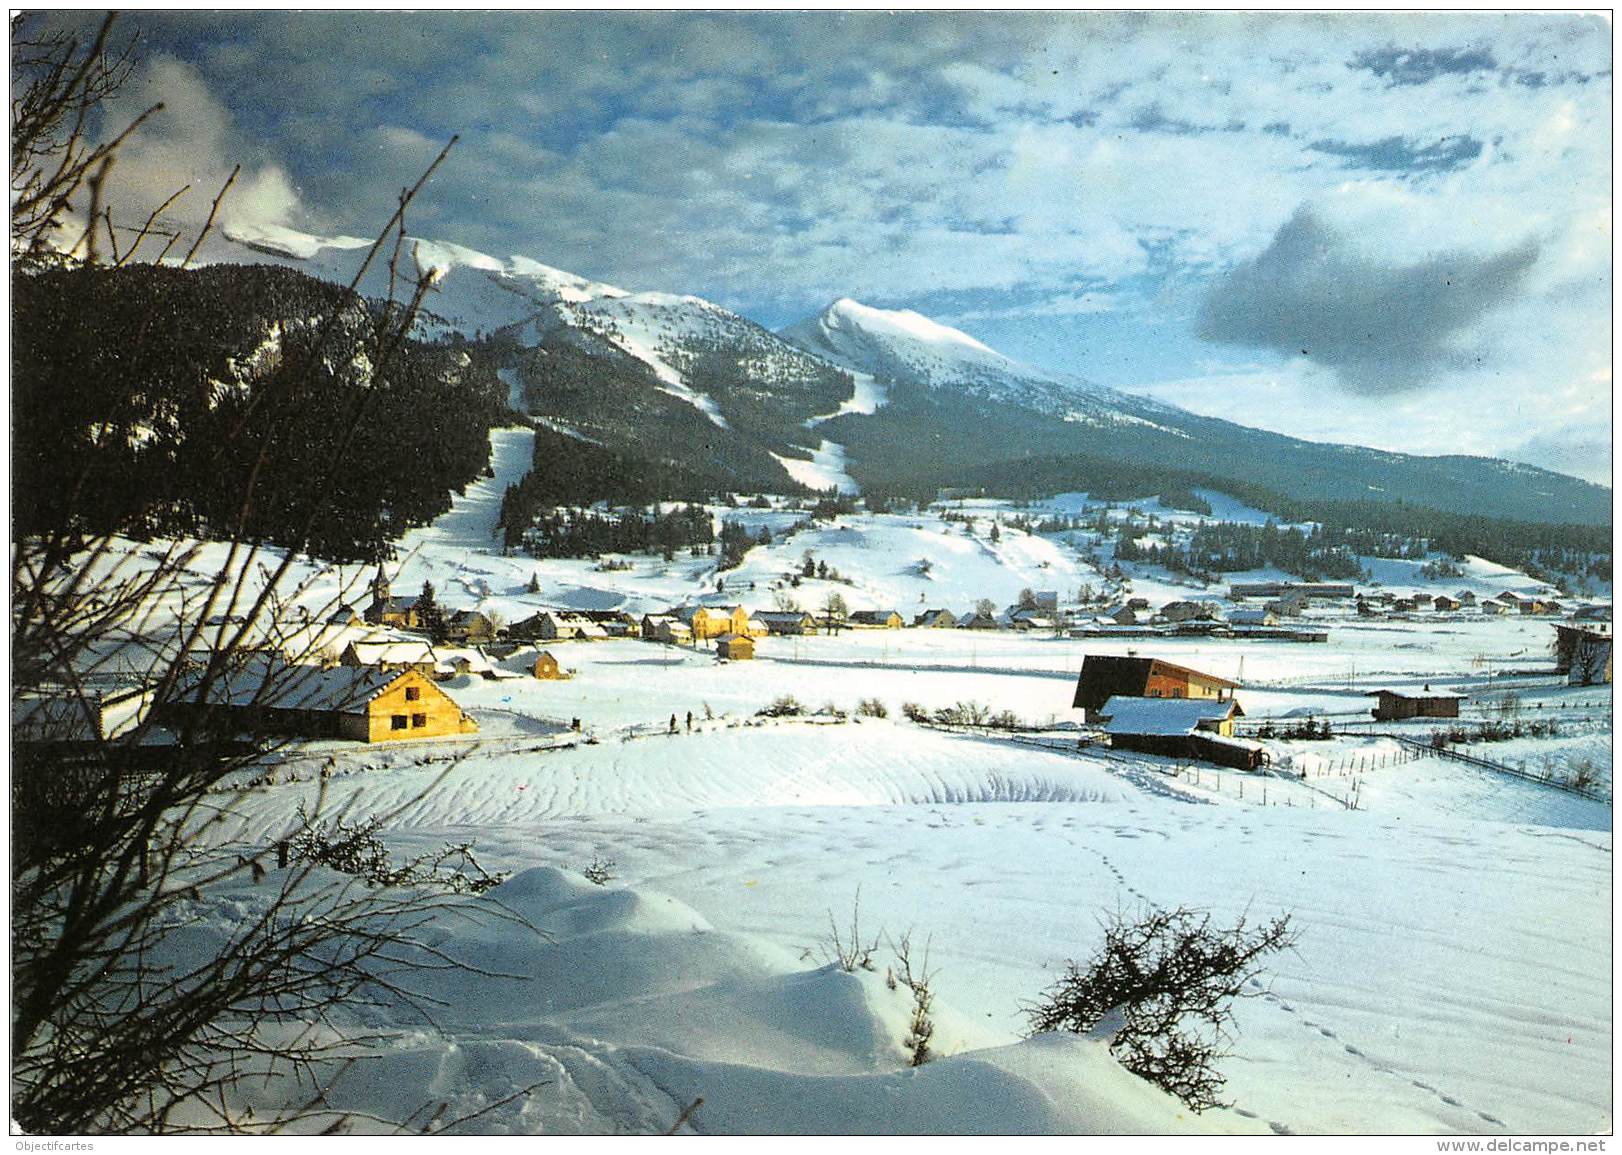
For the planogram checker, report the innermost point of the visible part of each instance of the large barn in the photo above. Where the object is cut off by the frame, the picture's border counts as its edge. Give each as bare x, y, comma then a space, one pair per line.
1104, 676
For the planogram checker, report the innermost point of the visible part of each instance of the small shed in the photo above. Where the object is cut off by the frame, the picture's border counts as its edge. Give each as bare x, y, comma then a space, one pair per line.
547, 669
1444, 604
1396, 705
735, 647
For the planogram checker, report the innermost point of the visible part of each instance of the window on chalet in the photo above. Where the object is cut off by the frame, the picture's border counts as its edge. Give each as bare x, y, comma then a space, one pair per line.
418, 721
413, 693
397, 722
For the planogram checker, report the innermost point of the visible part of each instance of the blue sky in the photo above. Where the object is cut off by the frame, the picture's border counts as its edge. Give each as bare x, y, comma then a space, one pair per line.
1386, 229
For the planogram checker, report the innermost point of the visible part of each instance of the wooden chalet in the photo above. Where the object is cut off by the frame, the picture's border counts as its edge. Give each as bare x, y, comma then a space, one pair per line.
1180, 728
1396, 705
1104, 676
936, 620
875, 620
360, 704
735, 647
1445, 605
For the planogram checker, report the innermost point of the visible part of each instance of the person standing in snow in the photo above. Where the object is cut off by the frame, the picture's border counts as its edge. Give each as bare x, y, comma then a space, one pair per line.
689, 721
672, 723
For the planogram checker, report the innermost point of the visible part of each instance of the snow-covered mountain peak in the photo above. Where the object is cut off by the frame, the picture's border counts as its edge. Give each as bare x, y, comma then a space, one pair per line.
899, 324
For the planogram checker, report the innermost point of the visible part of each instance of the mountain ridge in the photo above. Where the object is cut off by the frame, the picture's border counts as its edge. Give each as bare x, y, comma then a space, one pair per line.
909, 400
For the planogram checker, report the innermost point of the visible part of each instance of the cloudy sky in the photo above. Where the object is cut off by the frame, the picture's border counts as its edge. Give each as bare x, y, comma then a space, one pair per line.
1387, 229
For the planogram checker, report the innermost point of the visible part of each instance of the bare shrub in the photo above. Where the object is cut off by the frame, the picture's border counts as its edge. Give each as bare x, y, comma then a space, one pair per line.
357, 848
599, 871
849, 951
871, 708
913, 712
786, 706
921, 1028
1171, 974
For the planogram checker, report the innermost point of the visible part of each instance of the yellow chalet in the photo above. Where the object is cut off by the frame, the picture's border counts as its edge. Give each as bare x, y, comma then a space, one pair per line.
362, 704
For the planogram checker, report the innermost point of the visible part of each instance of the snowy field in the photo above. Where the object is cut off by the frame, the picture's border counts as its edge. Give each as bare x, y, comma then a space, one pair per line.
1453, 967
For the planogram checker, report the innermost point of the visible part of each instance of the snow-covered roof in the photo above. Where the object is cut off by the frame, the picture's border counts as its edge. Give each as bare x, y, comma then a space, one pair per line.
1125, 715
394, 653
1417, 695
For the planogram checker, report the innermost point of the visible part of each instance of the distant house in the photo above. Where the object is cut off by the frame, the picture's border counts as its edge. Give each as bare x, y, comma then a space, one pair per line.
1186, 611
1025, 618
1261, 617
936, 620
1508, 598
875, 620
1404, 605
711, 622
787, 622
390, 656
470, 626
1596, 613
614, 623
1467, 598
1444, 604
1139, 604
974, 620
452, 661
1426, 703
735, 647
1125, 615
361, 704
1493, 607
1104, 676
1047, 601
1180, 728
566, 625
547, 669
1422, 599
344, 615
665, 628
1291, 606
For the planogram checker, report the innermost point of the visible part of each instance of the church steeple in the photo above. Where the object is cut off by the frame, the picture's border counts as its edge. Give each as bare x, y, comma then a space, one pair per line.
380, 590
